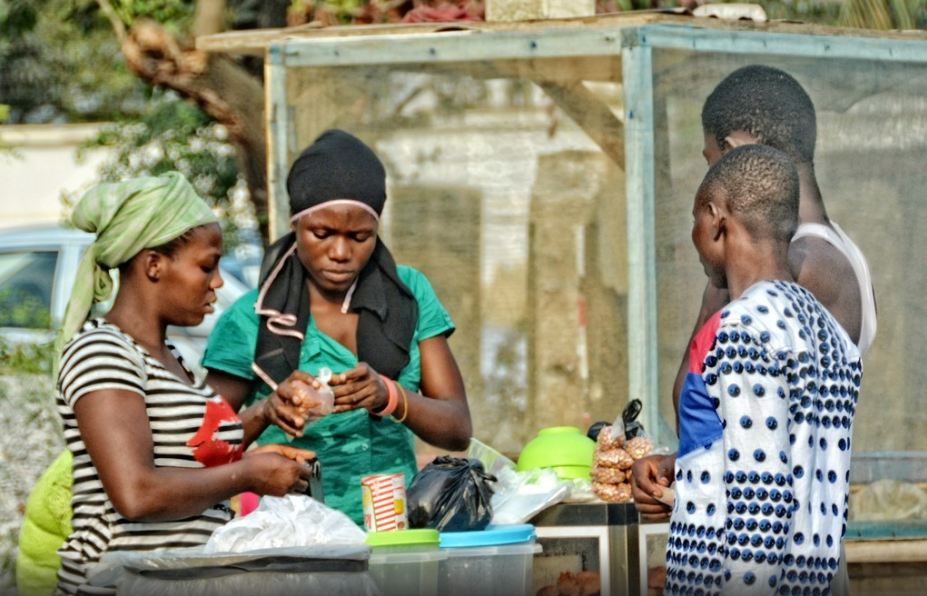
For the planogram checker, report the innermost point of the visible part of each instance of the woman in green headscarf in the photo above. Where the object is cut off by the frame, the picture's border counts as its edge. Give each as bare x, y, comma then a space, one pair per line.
156, 452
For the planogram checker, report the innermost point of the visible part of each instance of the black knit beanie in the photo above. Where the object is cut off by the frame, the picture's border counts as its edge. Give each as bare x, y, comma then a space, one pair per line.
337, 165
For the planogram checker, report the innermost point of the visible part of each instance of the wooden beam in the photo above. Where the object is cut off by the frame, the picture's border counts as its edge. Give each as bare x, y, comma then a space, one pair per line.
885, 551
593, 116
256, 41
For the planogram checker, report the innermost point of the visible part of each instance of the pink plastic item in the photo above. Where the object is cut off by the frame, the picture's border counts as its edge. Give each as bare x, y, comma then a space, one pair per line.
248, 503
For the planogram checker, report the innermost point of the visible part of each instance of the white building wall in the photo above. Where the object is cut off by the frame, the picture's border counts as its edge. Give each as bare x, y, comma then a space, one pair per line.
38, 163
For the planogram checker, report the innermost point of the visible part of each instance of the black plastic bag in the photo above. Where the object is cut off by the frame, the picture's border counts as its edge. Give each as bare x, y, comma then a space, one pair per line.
451, 494
632, 427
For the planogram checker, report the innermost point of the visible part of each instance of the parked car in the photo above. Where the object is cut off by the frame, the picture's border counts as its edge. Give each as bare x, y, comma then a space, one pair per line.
38, 265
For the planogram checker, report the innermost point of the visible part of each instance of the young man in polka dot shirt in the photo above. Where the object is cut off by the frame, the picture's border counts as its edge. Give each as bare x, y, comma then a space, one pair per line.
766, 410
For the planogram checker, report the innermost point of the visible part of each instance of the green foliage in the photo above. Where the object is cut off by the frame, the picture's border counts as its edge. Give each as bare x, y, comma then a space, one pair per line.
23, 309
26, 358
16, 17
884, 14
863, 14
60, 62
176, 135
175, 15
329, 11
807, 11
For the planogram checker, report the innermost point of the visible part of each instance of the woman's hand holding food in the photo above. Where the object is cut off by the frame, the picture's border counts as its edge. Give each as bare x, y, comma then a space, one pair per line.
288, 451
289, 406
360, 387
276, 470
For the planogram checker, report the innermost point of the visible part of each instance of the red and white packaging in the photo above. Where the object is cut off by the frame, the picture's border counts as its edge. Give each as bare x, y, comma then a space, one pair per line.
384, 500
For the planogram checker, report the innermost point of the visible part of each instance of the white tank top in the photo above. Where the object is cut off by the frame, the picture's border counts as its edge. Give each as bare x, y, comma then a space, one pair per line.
839, 240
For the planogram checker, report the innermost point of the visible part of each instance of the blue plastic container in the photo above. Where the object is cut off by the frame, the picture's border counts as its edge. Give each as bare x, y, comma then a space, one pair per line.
497, 561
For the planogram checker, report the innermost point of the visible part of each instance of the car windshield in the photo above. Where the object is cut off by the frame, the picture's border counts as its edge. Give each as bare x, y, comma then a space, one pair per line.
26, 284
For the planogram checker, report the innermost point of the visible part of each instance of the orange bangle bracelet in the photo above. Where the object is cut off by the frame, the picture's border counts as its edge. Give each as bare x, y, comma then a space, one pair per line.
405, 403
393, 400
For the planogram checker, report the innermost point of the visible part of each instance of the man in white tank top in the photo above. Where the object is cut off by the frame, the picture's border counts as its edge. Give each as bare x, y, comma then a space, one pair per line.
837, 238
759, 104
763, 105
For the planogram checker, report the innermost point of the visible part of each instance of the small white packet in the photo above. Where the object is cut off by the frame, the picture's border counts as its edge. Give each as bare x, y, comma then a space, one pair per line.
669, 496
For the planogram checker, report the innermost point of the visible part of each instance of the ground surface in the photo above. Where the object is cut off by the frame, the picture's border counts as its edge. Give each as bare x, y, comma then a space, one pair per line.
30, 439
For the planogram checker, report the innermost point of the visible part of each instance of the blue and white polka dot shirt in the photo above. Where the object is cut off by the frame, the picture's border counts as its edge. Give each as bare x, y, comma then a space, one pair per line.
763, 470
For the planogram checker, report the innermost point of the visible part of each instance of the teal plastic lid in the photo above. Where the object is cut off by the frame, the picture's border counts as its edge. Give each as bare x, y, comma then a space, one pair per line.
493, 535
422, 536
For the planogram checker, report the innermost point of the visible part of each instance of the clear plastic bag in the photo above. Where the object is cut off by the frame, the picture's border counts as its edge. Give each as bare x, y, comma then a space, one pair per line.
493, 461
580, 491
519, 496
290, 521
327, 395
618, 446
522, 495
323, 393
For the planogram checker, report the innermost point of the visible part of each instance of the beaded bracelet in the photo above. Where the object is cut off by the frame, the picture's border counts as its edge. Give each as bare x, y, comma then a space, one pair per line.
393, 400
405, 403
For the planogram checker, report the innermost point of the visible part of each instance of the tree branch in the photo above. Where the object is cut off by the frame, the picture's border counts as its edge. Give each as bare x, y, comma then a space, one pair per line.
209, 17
118, 26
222, 89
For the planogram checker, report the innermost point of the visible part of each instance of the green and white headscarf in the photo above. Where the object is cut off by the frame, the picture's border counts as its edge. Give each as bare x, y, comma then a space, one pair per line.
126, 217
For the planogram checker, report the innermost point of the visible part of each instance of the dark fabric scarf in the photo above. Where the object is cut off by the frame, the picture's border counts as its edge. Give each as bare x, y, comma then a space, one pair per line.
388, 313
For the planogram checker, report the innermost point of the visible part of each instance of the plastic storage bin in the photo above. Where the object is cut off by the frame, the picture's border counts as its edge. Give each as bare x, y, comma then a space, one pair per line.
497, 561
330, 569
405, 562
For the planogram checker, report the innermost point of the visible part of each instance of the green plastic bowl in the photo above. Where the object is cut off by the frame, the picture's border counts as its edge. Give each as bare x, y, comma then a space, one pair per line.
564, 448
573, 472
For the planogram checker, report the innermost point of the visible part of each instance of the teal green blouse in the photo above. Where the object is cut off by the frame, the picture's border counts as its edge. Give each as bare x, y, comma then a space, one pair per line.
349, 445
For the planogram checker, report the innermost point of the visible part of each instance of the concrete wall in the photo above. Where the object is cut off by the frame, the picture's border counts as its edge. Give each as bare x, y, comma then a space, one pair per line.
38, 163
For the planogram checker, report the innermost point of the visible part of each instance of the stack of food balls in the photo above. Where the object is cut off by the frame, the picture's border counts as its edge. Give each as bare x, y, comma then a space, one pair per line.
611, 464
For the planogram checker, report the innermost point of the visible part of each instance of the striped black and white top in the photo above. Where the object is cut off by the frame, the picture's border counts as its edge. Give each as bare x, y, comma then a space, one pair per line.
192, 427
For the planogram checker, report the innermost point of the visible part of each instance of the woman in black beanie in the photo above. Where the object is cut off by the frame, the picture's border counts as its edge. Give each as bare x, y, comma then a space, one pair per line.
332, 296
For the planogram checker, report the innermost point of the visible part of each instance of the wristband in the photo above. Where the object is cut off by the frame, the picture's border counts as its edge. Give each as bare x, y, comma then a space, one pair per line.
393, 400
405, 403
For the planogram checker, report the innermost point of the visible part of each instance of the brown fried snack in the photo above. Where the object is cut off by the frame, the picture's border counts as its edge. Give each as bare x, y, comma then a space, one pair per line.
548, 591
638, 447
612, 458
656, 580
612, 493
606, 441
567, 585
589, 582
624, 492
609, 475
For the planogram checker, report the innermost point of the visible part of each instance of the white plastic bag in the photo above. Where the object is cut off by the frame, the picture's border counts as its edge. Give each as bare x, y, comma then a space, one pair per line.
519, 496
525, 494
580, 491
290, 521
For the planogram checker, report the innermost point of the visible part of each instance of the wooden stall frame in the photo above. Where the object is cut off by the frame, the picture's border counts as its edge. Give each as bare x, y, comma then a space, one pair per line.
633, 39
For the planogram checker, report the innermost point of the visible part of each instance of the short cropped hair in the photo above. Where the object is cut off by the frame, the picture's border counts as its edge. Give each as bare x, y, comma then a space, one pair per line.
769, 104
760, 187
